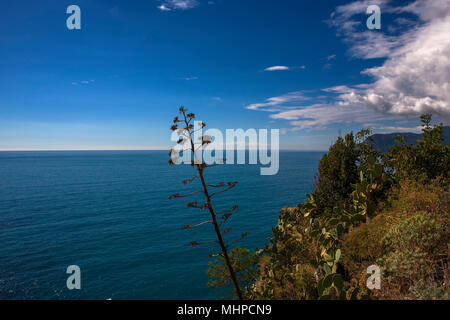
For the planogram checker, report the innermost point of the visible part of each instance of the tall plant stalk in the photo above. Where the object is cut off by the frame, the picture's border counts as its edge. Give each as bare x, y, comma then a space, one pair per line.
187, 132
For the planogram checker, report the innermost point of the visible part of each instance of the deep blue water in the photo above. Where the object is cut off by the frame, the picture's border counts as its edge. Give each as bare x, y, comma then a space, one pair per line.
109, 213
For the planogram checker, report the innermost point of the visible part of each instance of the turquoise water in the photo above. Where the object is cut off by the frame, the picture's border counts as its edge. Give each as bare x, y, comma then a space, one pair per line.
109, 213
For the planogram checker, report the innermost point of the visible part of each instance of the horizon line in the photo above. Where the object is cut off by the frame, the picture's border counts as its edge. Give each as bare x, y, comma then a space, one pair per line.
165, 150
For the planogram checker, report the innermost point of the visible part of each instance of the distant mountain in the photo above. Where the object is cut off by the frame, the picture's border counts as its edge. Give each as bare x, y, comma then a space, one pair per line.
382, 142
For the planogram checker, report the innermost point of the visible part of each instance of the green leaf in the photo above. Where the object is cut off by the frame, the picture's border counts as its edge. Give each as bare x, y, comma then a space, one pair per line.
378, 171
328, 258
337, 255
371, 159
327, 281
326, 268
320, 287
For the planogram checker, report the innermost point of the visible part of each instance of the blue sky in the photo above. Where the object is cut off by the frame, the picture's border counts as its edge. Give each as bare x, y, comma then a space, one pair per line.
310, 68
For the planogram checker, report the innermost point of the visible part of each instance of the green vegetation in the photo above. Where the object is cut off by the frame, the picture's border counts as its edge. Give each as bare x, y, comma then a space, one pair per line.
244, 264
367, 208
337, 172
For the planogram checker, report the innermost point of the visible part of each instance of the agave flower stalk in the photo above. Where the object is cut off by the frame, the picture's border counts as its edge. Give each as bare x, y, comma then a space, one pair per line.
186, 130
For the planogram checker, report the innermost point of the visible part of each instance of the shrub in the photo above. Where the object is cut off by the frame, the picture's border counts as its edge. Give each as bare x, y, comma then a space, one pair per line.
286, 272
244, 263
336, 173
407, 239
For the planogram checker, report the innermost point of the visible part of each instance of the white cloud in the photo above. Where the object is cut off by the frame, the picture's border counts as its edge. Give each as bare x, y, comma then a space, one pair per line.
277, 68
338, 89
428, 10
318, 116
296, 108
413, 79
75, 83
190, 78
274, 103
283, 68
163, 7
341, 17
168, 5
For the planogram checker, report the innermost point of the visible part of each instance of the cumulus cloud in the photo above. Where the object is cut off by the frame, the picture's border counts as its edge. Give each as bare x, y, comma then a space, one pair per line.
168, 5
427, 11
414, 77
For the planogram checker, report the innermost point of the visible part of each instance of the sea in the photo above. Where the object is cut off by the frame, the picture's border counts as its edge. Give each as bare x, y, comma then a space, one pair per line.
109, 213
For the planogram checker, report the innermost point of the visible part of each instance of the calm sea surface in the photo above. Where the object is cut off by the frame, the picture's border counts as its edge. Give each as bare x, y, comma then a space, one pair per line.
109, 213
